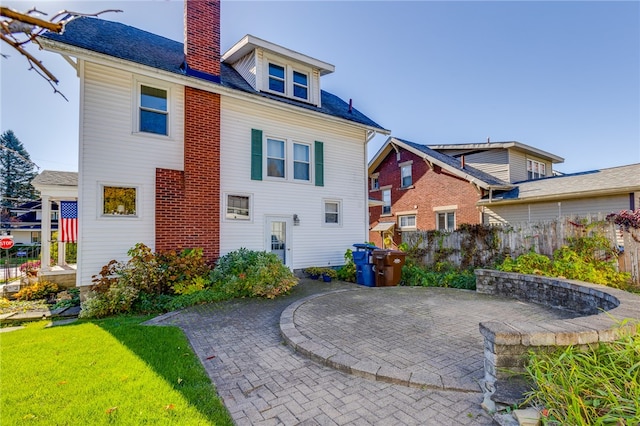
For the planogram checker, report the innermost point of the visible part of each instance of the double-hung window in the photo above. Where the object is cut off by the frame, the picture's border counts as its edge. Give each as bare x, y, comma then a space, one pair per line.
406, 178
375, 182
332, 216
446, 221
535, 169
277, 78
301, 162
386, 199
300, 85
153, 110
276, 158
407, 221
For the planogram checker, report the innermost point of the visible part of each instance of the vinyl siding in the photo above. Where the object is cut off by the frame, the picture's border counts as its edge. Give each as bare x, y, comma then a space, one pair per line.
494, 162
537, 212
518, 165
344, 180
246, 67
111, 153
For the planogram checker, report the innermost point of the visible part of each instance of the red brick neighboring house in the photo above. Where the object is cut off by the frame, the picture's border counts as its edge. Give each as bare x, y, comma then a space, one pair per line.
423, 189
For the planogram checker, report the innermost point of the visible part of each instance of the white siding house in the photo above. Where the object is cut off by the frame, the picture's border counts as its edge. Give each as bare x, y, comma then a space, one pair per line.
263, 96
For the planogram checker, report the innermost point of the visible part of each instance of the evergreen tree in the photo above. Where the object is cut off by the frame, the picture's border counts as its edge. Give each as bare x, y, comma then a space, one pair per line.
16, 171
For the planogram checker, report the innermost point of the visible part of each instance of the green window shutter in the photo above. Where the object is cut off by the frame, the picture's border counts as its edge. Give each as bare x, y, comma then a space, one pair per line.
256, 154
319, 156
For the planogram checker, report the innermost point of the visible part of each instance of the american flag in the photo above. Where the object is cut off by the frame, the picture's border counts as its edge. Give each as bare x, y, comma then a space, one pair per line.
68, 221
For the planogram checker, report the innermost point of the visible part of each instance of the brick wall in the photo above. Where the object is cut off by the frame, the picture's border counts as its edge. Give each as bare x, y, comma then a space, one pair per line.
431, 188
188, 202
202, 35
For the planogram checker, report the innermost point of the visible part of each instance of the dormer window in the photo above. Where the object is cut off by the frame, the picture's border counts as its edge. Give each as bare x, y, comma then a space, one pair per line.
300, 85
276, 78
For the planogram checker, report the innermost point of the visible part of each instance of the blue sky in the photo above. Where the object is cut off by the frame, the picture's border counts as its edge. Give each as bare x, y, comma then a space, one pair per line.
560, 76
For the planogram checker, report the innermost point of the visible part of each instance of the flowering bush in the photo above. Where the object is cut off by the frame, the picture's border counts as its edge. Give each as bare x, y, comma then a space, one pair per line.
626, 219
39, 290
30, 268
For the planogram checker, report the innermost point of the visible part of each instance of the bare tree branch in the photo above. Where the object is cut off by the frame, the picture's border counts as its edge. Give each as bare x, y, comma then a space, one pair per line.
30, 27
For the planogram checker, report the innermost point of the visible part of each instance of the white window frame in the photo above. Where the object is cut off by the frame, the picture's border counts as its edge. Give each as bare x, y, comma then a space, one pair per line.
407, 227
403, 167
531, 166
383, 191
293, 161
289, 83
138, 201
324, 212
137, 102
289, 160
375, 182
226, 214
446, 219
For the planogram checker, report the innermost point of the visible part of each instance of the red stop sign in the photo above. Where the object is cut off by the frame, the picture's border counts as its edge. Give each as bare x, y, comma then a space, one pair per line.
6, 243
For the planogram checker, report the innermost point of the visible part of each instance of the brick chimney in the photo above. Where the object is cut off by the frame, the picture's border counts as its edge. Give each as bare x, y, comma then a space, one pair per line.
202, 38
188, 202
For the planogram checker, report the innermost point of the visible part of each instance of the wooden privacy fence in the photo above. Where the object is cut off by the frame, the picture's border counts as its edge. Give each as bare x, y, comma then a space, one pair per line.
483, 245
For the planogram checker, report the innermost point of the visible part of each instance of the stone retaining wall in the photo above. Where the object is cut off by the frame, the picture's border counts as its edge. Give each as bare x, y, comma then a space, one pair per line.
600, 311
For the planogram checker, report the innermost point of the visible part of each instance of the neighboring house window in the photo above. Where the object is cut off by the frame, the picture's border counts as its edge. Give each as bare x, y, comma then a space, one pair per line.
332, 212
375, 183
446, 221
275, 158
301, 162
154, 111
535, 169
405, 172
276, 78
35, 237
54, 215
407, 221
119, 201
238, 207
386, 199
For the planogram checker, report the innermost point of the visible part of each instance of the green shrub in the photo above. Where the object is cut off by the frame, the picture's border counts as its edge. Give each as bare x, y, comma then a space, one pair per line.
588, 258
594, 386
68, 298
348, 271
118, 299
39, 290
187, 287
247, 273
442, 275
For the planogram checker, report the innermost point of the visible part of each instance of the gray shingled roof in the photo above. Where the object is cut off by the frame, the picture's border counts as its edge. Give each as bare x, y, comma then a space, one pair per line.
594, 182
135, 45
455, 164
52, 177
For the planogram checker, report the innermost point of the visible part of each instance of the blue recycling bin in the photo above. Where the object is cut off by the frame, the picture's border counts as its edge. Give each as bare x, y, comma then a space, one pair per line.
364, 266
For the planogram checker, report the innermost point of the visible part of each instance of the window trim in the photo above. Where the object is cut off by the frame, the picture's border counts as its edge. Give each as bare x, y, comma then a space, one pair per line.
284, 159
405, 215
289, 83
404, 166
137, 101
100, 204
324, 213
446, 212
541, 165
289, 160
375, 177
225, 213
382, 192
293, 161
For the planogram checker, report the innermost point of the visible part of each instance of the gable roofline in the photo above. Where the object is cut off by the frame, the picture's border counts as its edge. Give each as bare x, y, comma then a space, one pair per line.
446, 162
500, 145
249, 43
162, 58
593, 183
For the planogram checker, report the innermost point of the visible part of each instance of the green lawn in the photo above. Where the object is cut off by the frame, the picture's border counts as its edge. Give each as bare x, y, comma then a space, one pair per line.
112, 371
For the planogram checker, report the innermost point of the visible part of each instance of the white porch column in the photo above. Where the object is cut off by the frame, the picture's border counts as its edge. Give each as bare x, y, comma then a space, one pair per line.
61, 246
45, 234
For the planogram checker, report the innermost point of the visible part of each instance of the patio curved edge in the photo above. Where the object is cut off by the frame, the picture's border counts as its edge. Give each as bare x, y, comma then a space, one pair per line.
323, 353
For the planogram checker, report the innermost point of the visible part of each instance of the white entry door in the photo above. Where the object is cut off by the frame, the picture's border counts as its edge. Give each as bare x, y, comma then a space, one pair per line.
278, 237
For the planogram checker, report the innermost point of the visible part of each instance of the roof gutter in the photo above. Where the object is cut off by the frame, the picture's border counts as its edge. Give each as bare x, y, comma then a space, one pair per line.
566, 196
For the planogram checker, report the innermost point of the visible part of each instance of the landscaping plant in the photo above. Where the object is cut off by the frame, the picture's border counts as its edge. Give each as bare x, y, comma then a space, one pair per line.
599, 385
39, 290
248, 273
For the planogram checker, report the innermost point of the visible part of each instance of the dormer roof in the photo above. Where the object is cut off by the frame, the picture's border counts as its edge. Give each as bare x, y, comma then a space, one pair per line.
465, 148
250, 43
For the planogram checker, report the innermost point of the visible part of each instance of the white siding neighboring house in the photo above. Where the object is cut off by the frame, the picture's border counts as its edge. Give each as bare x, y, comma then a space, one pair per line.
596, 192
291, 176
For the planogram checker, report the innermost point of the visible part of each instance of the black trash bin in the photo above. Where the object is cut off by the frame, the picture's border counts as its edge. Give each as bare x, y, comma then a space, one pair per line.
364, 266
388, 266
